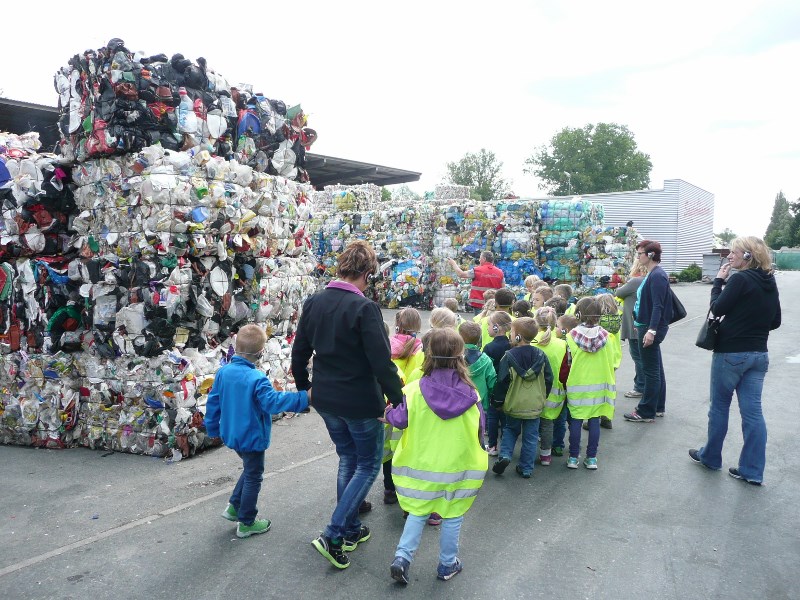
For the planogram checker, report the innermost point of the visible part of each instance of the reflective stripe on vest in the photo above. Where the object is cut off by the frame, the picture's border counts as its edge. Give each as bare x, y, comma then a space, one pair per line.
435, 495
437, 477
598, 387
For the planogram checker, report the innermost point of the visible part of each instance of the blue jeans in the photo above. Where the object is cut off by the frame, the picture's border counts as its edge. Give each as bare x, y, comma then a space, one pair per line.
448, 538
495, 420
245, 493
560, 427
359, 444
635, 352
654, 394
575, 426
530, 441
743, 372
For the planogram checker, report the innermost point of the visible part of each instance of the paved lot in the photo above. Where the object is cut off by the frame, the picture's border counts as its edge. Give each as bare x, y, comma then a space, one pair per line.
648, 524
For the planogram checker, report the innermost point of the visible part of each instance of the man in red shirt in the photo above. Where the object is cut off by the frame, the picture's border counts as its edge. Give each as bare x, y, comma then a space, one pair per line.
484, 277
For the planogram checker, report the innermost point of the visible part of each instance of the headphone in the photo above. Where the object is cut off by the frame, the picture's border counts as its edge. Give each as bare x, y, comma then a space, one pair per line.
651, 254
747, 255
495, 328
518, 338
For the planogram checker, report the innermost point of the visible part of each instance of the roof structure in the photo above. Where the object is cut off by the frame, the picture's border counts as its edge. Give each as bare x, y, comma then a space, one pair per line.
20, 117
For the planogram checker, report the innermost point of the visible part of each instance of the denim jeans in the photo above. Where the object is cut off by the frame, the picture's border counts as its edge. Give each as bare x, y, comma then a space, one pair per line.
634, 349
448, 538
245, 493
530, 441
560, 427
359, 444
495, 420
654, 394
575, 426
743, 372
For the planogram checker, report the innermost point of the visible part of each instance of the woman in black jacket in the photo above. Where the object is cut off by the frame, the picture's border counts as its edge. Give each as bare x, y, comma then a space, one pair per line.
749, 304
353, 371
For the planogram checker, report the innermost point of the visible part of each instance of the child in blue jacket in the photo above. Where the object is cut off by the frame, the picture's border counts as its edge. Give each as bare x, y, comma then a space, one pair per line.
239, 409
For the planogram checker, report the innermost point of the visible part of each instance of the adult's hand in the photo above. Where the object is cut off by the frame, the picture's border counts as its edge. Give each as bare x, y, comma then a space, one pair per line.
648, 339
724, 271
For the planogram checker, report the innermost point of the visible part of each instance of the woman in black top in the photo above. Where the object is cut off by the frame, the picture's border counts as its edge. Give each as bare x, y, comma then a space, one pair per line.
748, 302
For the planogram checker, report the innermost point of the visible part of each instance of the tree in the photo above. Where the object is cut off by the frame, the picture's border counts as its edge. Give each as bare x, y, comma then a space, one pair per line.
591, 160
386, 194
779, 230
726, 236
481, 172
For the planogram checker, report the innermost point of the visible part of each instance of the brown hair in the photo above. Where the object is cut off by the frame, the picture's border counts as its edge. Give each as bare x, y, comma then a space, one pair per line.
451, 303
525, 328
445, 350
409, 322
545, 292
357, 259
564, 290
504, 298
539, 284
501, 320
531, 279
650, 247
568, 322
470, 332
588, 311
521, 308
558, 303
489, 307
546, 319
250, 340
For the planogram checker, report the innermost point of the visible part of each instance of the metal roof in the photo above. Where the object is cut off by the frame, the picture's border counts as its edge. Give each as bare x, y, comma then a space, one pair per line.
20, 117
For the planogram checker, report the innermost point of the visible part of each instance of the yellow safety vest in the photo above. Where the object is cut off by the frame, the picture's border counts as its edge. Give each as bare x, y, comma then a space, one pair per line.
555, 351
439, 465
591, 385
406, 366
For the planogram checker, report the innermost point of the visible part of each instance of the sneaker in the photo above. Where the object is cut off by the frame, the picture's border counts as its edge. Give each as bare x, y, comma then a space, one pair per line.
258, 526
446, 573
351, 542
572, 462
634, 417
500, 466
399, 569
733, 472
230, 513
389, 497
606, 423
659, 414
435, 519
545, 460
523, 474
590, 463
492, 450
633, 394
557, 451
333, 552
364, 507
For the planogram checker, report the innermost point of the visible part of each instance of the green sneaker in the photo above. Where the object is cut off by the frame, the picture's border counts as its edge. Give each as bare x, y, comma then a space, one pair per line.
258, 526
558, 451
230, 513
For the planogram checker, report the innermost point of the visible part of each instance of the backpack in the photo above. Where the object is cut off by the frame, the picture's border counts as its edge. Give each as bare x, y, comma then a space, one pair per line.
525, 398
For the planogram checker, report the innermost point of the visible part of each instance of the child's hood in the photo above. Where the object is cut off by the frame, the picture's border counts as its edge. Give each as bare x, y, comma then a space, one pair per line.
589, 339
398, 342
471, 354
446, 394
527, 361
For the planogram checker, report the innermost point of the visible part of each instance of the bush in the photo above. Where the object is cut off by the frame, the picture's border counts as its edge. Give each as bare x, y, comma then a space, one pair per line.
690, 273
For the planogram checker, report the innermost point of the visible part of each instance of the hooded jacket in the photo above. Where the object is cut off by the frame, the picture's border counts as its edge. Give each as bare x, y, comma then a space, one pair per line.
751, 309
529, 363
482, 372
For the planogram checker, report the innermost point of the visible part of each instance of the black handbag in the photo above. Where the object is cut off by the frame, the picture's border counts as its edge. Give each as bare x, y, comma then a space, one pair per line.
707, 337
678, 310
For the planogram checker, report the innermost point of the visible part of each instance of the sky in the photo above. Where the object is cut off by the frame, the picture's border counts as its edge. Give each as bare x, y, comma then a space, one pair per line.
705, 87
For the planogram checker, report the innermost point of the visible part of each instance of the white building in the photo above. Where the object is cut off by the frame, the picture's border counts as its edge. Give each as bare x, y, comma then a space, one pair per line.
680, 216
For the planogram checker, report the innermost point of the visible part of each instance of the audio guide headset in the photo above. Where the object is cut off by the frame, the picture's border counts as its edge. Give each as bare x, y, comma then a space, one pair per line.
518, 338
651, 254
747, 255
495, 328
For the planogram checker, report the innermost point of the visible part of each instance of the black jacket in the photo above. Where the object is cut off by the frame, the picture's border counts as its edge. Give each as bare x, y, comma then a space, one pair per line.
496, 349
352, 367
751, 307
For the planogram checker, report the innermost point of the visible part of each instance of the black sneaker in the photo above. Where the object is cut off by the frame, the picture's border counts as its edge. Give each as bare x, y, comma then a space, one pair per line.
364, 507
333, 552
606, 423
736, 475
694, 454
351, 542
399, 569
501, 464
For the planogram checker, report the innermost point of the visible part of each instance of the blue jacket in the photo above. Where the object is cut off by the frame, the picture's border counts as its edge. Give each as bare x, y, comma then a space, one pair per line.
655, 303
241, 403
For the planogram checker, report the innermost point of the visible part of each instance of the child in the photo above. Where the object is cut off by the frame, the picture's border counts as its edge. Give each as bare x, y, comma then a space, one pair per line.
566, 323
556, 351
504, 298
499, 327
611, 321
521, 308
541, 295
439, 464
558, 304
452, 305
530, 280
239, 409
488, 296
566, 292
481, 369
443, 317
407, 356
591, 382
523, 384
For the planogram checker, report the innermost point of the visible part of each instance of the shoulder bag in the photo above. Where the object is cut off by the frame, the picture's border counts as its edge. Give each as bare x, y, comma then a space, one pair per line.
707, 337
678, 310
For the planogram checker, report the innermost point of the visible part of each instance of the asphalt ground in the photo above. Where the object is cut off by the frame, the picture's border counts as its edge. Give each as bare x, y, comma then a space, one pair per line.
648, 523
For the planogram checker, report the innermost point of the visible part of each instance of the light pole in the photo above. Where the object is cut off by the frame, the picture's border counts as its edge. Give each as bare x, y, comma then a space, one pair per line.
569, 182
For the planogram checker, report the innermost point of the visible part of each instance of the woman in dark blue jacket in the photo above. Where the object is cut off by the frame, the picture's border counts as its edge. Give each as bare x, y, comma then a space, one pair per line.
651, 315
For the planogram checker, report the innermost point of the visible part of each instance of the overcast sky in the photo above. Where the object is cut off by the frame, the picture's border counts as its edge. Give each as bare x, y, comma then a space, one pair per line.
704, 86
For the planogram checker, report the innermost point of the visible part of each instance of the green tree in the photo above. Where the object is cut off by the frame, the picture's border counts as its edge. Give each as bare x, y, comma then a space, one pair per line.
726, 236
779, 230
386, 194
590, 160
480, 171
